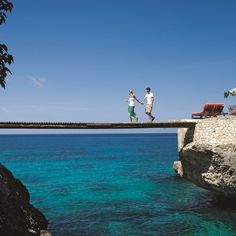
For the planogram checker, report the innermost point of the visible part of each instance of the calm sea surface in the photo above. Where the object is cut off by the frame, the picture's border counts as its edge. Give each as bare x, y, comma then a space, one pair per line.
110, 185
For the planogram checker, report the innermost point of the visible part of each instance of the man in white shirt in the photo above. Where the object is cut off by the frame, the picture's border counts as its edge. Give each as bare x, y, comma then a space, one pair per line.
150, 100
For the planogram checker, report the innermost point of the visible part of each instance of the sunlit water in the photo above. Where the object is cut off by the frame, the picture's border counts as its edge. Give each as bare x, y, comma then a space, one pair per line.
110, 185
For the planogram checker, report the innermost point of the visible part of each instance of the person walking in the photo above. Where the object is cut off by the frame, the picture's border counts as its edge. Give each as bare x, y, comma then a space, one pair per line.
149, 98
131, 100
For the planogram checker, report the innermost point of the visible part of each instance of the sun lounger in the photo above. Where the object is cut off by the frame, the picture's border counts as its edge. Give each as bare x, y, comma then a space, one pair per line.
209, 109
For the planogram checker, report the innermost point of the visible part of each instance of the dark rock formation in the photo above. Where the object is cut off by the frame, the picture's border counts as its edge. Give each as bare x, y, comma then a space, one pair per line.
17, 216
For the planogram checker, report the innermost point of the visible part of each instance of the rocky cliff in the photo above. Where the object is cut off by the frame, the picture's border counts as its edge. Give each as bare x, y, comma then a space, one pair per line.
207, 154
17, 216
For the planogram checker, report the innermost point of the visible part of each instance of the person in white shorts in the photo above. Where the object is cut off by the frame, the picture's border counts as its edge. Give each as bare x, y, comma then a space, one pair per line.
149, 97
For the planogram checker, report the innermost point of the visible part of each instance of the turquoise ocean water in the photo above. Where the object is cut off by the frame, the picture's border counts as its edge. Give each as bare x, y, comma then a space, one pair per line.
110, 185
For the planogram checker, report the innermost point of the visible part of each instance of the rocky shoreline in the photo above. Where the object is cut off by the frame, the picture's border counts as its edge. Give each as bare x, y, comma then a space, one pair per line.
207, 155
17, 216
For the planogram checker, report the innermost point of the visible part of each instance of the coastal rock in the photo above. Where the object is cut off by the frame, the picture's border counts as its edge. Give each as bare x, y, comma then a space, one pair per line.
17, 216
45, 233
177, 166
210, 167
208, 159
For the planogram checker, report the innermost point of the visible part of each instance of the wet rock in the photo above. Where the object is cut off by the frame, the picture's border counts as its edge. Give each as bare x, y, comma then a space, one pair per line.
17, 216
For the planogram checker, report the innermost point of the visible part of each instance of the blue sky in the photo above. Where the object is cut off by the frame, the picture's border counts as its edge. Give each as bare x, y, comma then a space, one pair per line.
76, 60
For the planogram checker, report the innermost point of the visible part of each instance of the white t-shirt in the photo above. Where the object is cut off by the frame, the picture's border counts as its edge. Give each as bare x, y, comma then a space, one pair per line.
131, 102
149, 98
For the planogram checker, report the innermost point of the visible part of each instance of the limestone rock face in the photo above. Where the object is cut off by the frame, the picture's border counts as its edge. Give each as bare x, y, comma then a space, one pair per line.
210, 167
209, 158
17, 216
177, 166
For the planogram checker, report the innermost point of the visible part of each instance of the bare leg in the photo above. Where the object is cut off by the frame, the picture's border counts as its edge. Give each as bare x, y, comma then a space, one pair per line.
150, 117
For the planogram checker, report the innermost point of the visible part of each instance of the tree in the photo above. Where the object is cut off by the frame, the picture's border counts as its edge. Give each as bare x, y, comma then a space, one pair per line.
231, 92
5, 57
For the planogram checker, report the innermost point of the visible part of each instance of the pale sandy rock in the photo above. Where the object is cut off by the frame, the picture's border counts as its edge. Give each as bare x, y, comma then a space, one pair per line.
209, 158
178, 168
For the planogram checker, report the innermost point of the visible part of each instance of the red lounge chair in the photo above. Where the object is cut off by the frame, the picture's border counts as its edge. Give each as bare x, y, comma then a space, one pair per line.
209, 109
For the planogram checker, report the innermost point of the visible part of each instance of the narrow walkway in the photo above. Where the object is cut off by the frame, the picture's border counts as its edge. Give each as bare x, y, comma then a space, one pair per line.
77, 125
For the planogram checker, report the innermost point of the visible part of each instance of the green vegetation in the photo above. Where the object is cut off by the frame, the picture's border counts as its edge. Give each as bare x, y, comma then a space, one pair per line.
5, 57
231, 92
